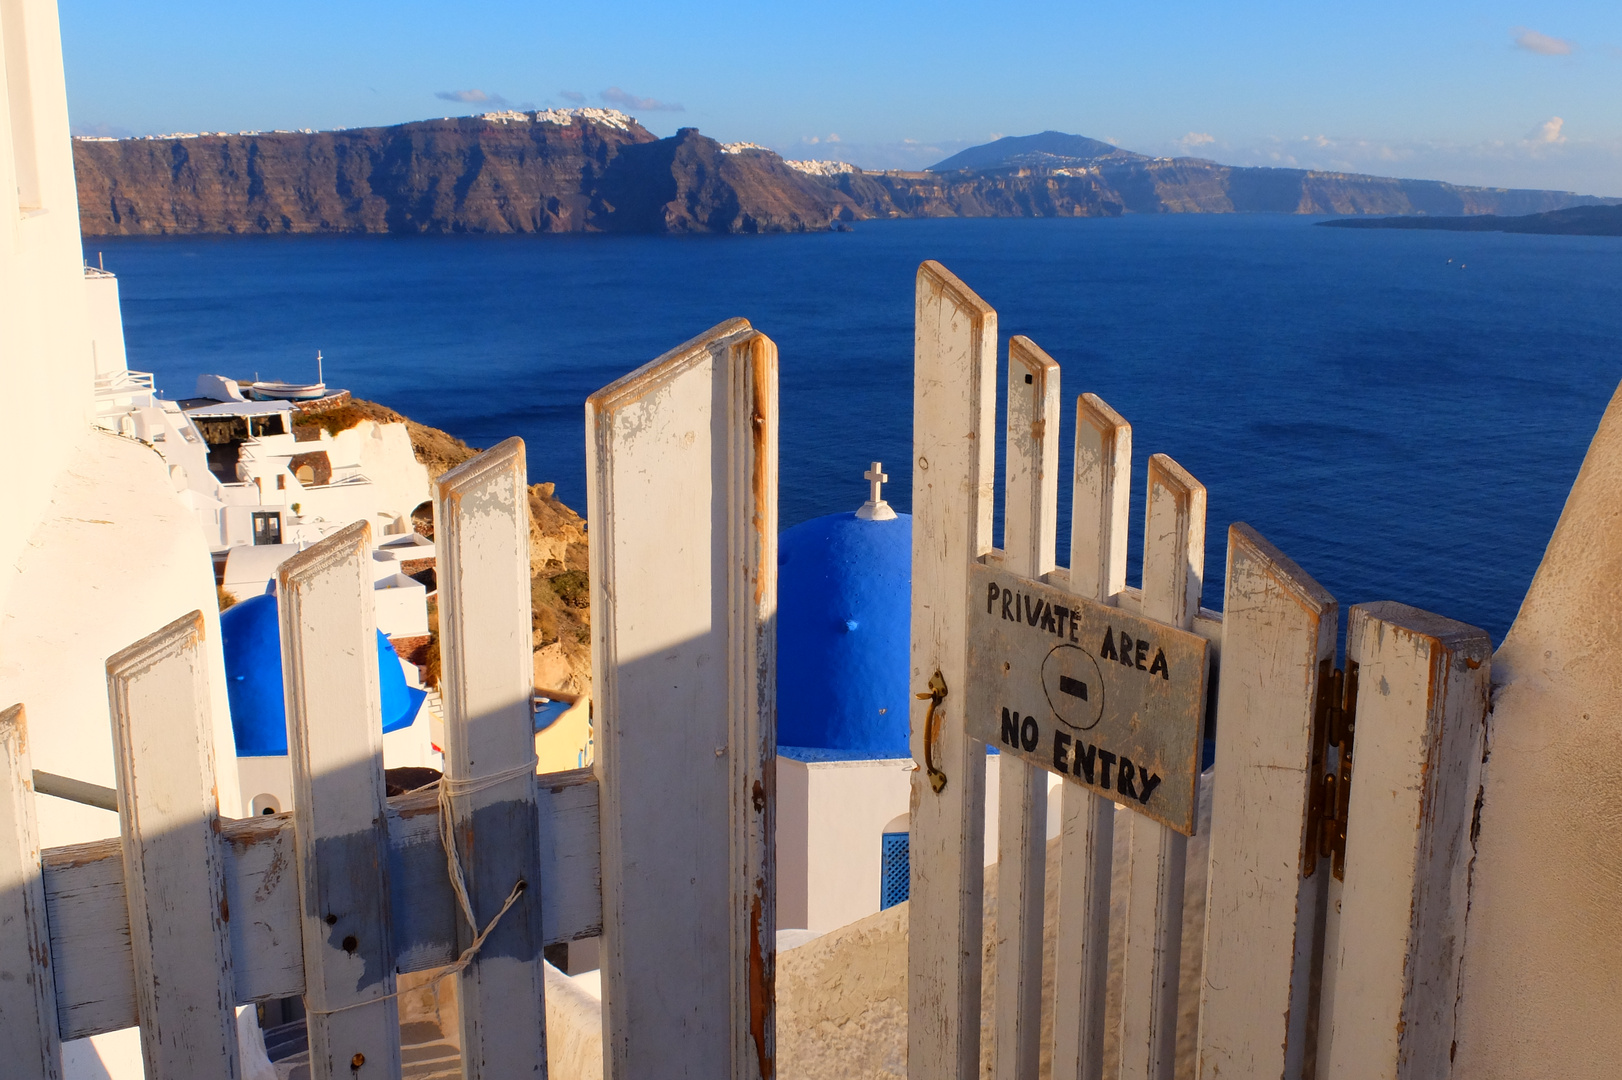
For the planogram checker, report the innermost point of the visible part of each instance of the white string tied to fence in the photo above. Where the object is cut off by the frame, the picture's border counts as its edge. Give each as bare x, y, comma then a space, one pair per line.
450, 788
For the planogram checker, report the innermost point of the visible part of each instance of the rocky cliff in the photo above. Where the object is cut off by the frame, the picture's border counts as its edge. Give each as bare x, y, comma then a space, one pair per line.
596, 170
559, 587
589, 170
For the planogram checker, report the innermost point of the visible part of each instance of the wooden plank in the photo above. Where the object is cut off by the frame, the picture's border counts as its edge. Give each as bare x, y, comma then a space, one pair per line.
174, 873
90, 938
1264, 919
1191, 960
262, 884
424, 908
1029, 523
752, 630
1391, 981
481, 521
954, 416
1100, 492
571, 856
1031, 516
29, 1041
682, 483
335, 748
89, 919
1173, 572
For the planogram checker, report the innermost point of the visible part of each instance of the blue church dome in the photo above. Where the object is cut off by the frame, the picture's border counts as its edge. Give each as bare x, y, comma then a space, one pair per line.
251, 635
844, 625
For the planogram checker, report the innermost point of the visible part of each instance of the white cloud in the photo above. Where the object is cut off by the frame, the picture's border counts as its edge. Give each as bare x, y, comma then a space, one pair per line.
1542, 44
471, 97
624, 100
1196, 138
572, 95
1548, 132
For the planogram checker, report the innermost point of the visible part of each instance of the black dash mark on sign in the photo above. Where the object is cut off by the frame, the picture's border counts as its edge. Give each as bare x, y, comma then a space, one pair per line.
1074, 687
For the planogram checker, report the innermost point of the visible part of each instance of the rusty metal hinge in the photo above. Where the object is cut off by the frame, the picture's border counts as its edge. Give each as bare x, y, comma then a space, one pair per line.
1334, 726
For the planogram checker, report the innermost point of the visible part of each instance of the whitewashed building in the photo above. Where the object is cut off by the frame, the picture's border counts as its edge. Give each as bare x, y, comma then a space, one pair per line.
98, 547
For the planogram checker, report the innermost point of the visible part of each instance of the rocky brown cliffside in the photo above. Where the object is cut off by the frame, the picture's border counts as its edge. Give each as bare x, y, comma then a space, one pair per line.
595, 170
606, 174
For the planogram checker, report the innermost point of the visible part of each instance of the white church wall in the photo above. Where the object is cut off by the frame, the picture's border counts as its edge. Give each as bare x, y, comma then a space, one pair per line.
267, 782
793, 801
831, 816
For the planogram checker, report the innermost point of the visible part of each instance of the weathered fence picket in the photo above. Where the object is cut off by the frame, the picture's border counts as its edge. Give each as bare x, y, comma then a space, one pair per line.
1100, 494
1264, 918
29, 1044
1173, 572
174, 879
954, 417
481, 525
1391, 971
335, 743
1030, 519
682, 497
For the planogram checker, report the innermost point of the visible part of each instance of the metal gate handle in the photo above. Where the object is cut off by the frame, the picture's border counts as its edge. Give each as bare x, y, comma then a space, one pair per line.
932, 721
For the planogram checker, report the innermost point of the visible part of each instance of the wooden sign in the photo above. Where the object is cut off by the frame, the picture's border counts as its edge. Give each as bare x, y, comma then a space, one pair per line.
1107, 699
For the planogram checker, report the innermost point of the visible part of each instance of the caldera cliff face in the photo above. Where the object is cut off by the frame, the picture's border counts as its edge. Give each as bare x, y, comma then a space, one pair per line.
597, 170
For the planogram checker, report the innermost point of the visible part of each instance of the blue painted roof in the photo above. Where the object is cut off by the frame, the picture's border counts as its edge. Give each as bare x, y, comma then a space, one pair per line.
251, 635
844, 594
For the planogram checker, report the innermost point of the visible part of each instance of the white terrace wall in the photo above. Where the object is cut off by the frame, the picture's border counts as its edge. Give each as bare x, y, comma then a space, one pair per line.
1541, 991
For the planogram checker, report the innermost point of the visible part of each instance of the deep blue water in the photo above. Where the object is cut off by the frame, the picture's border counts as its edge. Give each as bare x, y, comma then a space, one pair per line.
1403, 426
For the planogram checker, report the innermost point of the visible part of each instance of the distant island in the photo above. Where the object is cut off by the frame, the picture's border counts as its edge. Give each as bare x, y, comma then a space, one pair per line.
1571, 221
598, 170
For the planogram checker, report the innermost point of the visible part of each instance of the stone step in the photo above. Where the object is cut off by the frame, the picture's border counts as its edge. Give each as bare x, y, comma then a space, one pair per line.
424, 1054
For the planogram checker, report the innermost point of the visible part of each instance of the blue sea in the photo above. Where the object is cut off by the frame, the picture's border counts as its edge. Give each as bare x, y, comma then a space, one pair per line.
1401, 412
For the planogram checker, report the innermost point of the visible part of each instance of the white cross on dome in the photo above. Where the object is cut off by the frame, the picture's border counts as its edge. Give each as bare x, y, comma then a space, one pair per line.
875, 508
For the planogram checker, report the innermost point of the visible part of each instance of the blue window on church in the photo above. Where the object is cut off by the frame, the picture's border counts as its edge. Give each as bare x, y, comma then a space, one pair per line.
895, 874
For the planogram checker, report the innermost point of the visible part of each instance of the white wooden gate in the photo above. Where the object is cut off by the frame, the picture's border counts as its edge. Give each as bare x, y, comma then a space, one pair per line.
185, 915
1331, 902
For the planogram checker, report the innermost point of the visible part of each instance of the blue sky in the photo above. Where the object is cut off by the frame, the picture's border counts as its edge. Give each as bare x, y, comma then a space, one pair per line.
1517, 94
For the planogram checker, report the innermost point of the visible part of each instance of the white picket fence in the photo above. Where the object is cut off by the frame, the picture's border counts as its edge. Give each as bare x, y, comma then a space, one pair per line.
1331, 913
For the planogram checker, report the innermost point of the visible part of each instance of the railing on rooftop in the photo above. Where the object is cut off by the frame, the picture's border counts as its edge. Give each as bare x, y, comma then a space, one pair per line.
123, 383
